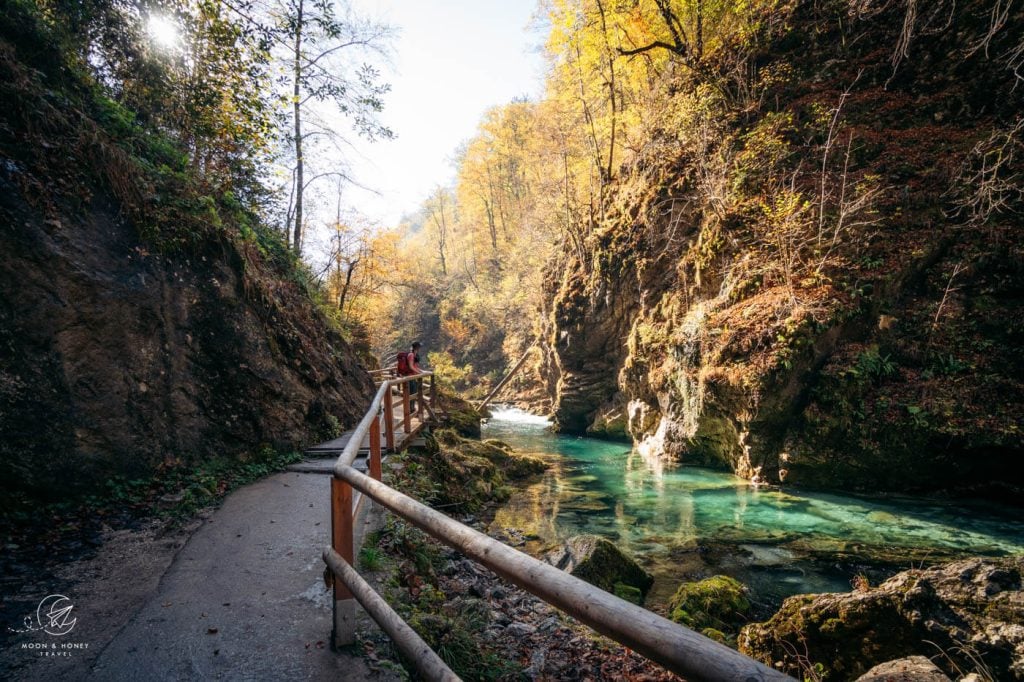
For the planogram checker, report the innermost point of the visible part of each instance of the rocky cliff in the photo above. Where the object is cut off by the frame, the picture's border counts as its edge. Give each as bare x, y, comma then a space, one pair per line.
816, 274
143, 324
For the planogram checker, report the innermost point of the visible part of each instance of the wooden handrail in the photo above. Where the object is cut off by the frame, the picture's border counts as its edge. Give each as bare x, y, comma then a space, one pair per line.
405, 638
348, 455
673, 646
344, 503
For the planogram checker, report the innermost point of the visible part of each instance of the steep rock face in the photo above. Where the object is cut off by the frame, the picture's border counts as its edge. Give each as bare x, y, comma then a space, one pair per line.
146, 319
856, 326
585, 332
966, 616
116, 360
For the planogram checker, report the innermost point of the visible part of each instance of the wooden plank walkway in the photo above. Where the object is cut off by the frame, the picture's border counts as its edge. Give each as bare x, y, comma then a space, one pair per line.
320, 458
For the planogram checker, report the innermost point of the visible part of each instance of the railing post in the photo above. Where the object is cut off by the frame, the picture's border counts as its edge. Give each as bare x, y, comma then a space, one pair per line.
433, 391
389, 421
419, 398
342, 542
406, 416
375, 466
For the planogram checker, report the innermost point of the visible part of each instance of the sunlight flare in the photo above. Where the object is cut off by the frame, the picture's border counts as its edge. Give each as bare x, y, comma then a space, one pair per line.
164, 32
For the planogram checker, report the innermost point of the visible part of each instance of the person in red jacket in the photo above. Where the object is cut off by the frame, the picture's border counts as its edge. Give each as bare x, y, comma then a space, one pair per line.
409, 365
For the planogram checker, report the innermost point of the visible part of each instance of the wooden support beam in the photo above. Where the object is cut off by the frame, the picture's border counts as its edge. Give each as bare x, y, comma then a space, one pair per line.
511, 373
406, 414
375, 465
342, 543
389, 421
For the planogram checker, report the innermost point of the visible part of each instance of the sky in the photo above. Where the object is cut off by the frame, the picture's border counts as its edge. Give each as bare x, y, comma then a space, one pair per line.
453, 60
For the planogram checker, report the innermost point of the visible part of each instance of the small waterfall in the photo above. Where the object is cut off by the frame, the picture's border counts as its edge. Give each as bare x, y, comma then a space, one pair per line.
687, 380
515, 415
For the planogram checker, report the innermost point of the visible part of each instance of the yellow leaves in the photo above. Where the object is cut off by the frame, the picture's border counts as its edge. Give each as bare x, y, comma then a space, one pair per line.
456, 330
784, 207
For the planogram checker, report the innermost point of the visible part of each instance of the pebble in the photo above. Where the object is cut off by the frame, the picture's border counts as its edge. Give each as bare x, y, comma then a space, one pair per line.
536, 664
548, 624
520, 629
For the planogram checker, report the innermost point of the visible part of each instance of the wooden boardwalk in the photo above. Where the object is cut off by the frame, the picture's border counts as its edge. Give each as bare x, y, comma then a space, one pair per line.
320, 458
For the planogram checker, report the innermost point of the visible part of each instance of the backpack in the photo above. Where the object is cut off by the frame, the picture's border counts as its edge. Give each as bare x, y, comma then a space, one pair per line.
403, 363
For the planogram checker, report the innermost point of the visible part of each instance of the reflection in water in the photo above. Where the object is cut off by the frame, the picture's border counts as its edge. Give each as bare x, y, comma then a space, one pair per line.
657, 510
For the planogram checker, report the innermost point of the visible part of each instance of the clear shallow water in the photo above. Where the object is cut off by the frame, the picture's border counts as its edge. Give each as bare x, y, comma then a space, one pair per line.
687, 522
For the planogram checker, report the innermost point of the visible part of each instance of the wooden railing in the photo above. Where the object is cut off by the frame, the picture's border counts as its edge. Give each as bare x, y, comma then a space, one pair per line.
669, 644
345, 505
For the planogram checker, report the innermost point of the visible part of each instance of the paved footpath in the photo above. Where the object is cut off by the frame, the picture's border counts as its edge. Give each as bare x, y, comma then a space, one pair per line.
244, 599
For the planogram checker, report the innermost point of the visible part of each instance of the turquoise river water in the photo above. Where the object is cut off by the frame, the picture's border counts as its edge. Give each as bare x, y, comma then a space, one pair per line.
686, 523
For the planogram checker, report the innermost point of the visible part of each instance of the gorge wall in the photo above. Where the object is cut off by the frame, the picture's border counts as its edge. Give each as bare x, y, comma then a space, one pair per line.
143, 324
814, 271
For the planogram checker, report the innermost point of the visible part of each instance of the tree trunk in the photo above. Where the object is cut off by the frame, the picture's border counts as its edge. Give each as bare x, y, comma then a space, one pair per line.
700, 30
348, 281
299, 181
489, 206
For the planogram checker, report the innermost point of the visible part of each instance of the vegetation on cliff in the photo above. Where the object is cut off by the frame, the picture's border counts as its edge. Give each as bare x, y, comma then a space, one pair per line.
777, 237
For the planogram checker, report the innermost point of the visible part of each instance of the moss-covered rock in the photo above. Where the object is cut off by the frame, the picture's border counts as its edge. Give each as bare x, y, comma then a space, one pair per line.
461, 474
716, 635
629, 593
910, 669
970, 610
601, 563
460, 415
718, 603
511, 464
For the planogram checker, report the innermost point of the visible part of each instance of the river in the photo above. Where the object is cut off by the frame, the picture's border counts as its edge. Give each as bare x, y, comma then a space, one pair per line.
686, 523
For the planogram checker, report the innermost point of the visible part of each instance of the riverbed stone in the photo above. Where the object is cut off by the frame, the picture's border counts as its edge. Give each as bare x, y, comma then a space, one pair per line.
521, 629
964, 614
600, 563
909, 669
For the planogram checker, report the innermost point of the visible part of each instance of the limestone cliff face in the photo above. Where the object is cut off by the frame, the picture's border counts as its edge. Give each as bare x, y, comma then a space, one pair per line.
853, 326
584, 333
116, 360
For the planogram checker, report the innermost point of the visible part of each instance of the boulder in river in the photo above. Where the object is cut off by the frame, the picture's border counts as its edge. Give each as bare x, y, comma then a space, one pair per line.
599, 562
966, 616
